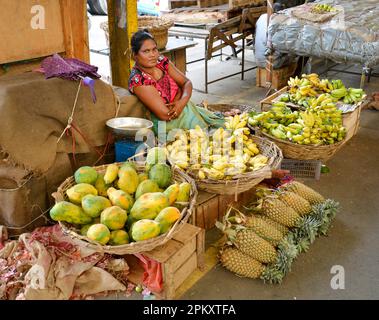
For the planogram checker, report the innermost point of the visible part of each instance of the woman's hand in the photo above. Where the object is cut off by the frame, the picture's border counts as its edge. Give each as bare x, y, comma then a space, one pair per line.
176, 108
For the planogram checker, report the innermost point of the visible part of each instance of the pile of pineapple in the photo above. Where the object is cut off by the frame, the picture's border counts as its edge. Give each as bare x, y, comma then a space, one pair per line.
217, 155
263, 244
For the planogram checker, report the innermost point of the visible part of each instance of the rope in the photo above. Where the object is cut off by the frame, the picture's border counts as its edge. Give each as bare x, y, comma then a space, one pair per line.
118, 106
35, 219
71, 117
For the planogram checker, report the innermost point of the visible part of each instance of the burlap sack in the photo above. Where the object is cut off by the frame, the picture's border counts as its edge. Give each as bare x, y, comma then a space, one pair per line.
35, 111
23, 199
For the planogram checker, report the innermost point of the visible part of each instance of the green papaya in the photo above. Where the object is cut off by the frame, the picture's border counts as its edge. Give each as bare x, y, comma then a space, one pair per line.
93, 205
85, 174
69, 212
149, 205
146, 186
78, 191
145, 229
161, 174
128, 181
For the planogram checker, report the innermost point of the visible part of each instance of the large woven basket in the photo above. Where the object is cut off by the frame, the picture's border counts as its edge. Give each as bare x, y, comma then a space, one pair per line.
303, 152
156, 26
245, 181
133, 247
223, 107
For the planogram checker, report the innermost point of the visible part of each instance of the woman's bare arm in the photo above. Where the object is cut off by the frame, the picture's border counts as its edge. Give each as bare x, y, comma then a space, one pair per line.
153, 101
183, 82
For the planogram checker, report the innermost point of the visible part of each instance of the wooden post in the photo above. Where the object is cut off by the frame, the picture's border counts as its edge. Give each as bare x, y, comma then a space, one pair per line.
75, 29
122, 22
269, 66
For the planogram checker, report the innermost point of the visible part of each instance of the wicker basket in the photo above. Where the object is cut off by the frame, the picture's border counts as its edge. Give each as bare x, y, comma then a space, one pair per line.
245, 181
133, 247
156, 26
223, 107
303, 152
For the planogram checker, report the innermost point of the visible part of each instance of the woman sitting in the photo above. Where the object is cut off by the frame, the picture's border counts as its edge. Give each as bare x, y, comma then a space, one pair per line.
163, 89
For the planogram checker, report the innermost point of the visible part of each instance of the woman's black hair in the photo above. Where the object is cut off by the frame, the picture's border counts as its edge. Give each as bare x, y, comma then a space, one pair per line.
138, 38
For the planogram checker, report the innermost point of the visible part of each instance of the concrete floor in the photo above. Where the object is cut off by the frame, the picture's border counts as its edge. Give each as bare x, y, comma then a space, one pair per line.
353, 240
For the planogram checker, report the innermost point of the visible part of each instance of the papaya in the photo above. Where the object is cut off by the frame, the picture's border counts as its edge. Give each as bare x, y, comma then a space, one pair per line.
78, 191
149, 205
99, 232
145, 229
172, 193
120, 198
84, 229
184, 192
146, 187
128, 180
93, 205
101, 186
113, 217
161, 174
111, 173
156, 155
142, 177
69, 212
118, 237
126, 165
166, 218
85, 174
130, 231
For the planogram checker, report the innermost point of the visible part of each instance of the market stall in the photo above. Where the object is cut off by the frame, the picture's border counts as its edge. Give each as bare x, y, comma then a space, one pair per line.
130, 224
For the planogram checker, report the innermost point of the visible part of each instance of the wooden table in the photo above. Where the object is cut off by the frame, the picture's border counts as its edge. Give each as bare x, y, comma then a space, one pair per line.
175, 50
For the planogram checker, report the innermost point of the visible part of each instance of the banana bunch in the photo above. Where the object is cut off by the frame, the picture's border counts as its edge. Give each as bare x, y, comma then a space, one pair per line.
339, 94
321, 123
353, 96
322, 8
236, 122
304, 90
221, 155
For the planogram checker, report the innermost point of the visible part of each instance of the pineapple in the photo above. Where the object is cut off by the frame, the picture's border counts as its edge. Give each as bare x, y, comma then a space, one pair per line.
280, 212
248, 242
241, 264
305, 192
264, 230
296, 202
281, 228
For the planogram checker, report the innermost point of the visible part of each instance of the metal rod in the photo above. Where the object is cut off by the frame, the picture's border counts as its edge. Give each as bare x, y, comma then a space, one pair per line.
243, 58
231, 75
206, 66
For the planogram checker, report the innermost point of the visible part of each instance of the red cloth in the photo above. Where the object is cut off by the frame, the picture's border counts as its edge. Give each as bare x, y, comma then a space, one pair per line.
166, 85
152, 277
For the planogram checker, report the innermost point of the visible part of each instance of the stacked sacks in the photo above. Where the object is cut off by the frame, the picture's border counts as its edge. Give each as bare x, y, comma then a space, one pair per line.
283, 223
122, 205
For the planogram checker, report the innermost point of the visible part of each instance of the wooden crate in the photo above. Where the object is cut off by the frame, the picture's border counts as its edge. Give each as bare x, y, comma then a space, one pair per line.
212, 207
65, 32
351, 122
240, 3
174, 4
179, 257
266, 102
211, 3
280, 76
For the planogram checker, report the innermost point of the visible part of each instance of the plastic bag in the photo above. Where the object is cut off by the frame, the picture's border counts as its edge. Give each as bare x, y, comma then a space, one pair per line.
152, 277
